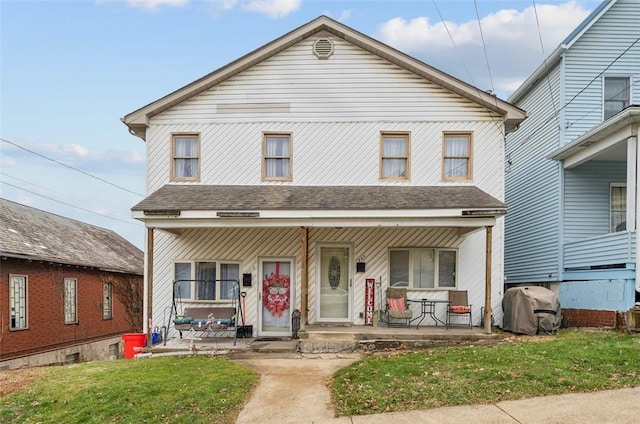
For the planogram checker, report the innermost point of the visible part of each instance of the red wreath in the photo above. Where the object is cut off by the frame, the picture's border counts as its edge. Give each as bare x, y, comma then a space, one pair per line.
275, 294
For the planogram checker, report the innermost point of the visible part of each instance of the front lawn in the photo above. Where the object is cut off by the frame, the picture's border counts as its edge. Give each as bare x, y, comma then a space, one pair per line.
571, 361
171, 390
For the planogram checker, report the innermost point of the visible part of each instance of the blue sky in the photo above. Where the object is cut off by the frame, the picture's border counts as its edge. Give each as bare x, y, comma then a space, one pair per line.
69, 70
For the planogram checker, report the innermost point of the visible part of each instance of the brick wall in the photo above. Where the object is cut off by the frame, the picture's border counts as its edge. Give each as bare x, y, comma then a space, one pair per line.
588, 318
45, 314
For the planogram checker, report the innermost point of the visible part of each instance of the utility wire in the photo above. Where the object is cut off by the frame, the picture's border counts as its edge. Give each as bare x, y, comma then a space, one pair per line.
484, 46
70, 167
546, 67
70, 205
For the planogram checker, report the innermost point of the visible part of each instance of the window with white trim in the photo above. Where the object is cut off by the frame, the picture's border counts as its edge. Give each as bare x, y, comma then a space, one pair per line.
70, 300
394, 156
456, 157
423, 268
197, 280
618, 207
17, 302
276, 151
185, 150
107, 301
617, 95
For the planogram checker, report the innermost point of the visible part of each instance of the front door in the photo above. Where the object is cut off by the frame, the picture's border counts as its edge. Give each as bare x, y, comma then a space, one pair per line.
334, 290
276, 297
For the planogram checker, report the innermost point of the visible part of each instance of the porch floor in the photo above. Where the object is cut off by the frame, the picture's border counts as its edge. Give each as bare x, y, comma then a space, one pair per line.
330, 338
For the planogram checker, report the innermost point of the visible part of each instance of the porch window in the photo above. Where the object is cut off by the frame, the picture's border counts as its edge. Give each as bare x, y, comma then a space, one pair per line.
618, 207
186, 157
616, 95
423, 268
276, 151
107, 301
70, 300
394, 156
17, 302
196, 280
456, 156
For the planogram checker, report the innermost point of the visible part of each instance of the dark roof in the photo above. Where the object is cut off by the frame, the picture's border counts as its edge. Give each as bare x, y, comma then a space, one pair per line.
30, 233
288, 197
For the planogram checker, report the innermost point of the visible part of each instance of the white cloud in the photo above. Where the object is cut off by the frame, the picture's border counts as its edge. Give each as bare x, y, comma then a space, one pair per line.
224, 5
512, 40
344, 15
272, 8
153, 4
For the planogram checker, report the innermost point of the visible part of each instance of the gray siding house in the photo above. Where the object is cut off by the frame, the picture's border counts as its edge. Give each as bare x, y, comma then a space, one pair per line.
571, 170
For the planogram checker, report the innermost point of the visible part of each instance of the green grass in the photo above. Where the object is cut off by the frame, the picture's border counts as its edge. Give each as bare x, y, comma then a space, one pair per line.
171, 389
571, 361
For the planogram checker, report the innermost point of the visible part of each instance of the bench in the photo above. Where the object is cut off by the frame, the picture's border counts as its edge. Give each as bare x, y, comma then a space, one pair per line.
215, 321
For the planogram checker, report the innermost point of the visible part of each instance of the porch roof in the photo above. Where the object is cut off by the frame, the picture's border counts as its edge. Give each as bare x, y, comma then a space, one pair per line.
607, 141
288, 205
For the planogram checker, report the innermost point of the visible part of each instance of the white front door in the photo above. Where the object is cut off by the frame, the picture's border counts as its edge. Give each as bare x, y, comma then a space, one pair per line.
334, 291
276, 296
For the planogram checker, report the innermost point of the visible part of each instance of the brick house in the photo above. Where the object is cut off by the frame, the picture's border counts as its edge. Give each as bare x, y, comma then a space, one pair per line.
68, 290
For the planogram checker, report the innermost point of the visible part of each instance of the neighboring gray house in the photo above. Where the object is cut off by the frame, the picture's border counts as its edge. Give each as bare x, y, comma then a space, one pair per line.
571, 170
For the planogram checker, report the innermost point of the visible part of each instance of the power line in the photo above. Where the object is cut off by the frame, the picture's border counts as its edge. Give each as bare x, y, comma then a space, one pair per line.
71, 167
67, 204
546, 67
484, 46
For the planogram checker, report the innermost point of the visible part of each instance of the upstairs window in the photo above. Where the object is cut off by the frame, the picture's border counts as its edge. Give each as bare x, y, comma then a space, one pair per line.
17, 302
617, 95
186, 157
394, 156
70, 300
276, 151
456, 159
196, 280
422, 268
618, 207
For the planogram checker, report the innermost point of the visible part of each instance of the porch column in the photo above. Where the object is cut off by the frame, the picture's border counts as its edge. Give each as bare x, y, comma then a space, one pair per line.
304, 294
148, 288
487, 280
632, 182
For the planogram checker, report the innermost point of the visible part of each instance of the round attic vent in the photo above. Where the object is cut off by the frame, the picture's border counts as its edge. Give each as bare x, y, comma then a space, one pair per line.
323, 48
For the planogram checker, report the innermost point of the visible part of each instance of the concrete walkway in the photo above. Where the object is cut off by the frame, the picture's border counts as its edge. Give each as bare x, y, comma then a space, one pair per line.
293, 389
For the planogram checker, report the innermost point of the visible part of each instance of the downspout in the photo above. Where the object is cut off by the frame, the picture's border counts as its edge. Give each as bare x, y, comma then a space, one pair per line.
148, 287
304, 259
632, 196
487, 280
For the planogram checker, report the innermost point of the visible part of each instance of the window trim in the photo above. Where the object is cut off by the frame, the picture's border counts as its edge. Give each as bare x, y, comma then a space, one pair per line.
25, 281
604, 99
107, 302
265, 136
436, 268
407, 158
192, 263
198, 156
469, 157
67, 304
611, 211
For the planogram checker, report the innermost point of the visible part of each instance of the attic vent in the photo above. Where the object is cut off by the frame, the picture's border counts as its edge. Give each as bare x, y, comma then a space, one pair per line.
323, 48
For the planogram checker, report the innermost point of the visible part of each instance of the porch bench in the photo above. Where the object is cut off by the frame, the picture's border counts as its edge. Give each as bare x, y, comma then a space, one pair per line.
212, 321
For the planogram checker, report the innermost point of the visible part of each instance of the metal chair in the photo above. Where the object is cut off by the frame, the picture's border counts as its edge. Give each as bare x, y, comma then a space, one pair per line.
397, 306
458, 307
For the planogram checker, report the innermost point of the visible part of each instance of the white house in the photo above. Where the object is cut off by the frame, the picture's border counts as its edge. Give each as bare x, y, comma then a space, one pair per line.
325, 162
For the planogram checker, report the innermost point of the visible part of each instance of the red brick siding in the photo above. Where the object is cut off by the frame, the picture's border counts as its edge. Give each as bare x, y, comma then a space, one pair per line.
588, 318
45, 313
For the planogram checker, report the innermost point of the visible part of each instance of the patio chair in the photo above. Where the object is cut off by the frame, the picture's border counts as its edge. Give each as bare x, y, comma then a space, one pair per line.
397, 307
458, 307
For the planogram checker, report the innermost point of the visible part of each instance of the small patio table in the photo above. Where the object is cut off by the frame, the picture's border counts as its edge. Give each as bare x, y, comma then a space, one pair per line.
428, 309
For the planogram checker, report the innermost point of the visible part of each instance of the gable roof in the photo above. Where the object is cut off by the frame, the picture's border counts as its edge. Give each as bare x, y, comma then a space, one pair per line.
138, 120
556, 55
29, 233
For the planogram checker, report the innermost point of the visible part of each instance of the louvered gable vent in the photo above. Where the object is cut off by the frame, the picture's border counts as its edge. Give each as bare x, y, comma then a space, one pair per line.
323, 48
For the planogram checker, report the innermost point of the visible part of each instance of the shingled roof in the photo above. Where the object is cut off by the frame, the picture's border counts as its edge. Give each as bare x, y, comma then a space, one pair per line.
287, 197
30, 233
